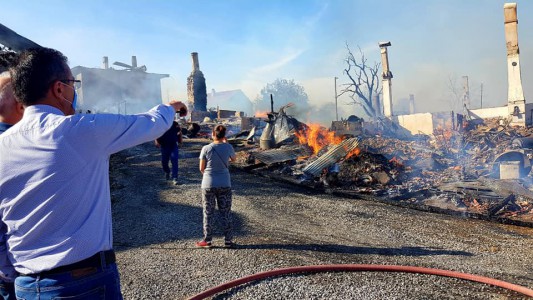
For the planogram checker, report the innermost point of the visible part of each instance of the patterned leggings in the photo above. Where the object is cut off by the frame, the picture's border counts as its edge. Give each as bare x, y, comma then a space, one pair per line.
222, 198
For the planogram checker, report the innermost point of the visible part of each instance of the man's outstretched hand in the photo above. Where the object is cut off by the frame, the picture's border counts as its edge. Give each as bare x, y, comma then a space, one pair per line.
179, 107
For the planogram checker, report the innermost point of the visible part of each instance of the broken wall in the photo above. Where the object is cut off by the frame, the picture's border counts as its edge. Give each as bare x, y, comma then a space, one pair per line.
416, 123
501, 112
222, 113
491, 112
427, 122
444, 120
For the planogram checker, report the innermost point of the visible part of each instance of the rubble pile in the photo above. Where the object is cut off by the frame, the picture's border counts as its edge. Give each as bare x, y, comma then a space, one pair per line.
481, 145
453, 169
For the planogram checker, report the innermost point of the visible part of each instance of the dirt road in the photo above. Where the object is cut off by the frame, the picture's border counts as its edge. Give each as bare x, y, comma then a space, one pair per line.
279, 225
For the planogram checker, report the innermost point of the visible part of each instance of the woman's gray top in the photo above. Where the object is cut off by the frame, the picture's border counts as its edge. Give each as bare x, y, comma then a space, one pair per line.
216, 172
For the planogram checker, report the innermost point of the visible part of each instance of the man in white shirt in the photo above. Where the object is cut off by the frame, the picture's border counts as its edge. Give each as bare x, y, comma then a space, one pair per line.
54, 182
10, 113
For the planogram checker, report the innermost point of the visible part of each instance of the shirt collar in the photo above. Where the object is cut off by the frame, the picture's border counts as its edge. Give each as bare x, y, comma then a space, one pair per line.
42, 108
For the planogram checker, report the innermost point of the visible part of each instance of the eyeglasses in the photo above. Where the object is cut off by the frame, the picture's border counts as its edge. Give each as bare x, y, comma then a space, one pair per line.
77, 83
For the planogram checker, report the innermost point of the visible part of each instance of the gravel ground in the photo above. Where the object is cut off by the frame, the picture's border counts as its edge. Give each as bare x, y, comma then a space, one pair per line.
278, 225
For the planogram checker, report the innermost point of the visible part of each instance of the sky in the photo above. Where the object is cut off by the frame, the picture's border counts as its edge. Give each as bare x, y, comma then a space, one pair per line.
246, 44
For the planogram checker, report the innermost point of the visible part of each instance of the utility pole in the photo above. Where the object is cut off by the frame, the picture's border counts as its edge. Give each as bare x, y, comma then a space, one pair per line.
336, 109
466, 92
481, 95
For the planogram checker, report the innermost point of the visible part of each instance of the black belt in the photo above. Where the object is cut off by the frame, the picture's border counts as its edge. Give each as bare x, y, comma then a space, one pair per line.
91, 262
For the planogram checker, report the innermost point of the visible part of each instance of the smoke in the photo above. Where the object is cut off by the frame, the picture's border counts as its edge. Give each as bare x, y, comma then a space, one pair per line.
319, 114
117, 91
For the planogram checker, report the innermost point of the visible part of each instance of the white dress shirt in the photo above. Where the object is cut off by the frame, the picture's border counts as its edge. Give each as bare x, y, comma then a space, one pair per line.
54, 182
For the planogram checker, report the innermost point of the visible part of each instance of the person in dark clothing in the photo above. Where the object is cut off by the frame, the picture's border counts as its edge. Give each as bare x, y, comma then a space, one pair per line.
168, 143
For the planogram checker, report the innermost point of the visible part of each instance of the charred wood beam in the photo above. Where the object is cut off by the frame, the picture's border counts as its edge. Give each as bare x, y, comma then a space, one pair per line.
505, 188
469, 188
496, 208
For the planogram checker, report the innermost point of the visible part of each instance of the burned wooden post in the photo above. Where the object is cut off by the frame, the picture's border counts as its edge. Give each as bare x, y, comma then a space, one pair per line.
516, 102
387, 76
466, 93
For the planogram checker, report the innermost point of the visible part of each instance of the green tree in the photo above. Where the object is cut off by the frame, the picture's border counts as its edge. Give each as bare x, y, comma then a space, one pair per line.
283, 92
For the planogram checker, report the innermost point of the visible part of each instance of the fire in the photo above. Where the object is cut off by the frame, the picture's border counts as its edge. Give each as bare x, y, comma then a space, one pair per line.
354, 152
261, 114
317, 137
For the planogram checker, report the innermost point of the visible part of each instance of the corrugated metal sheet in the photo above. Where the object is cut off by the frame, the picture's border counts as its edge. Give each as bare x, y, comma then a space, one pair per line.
280, 155
335, 154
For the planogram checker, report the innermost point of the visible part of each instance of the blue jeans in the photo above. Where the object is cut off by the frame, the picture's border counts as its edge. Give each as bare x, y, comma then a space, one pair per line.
7, 290
170, 153
100, 283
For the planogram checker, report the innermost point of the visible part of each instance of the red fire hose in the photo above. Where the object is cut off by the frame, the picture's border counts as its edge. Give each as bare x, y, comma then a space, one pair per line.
359, 268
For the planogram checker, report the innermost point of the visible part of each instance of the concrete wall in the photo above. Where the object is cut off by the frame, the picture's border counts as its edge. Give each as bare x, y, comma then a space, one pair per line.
491, 112
427, 122
443, 120
416, 123
502, 112
199, 116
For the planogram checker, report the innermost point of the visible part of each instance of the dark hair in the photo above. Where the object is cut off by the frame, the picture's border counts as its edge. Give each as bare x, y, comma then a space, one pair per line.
34, 71
219, 131
7, 59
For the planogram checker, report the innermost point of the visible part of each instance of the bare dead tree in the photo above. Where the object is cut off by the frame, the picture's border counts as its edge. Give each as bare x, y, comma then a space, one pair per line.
364, 81
455, 94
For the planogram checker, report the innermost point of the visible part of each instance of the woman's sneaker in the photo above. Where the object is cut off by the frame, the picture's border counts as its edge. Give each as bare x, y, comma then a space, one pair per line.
203, 244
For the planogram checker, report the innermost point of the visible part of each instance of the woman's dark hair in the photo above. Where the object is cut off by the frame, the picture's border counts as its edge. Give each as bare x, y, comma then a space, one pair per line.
34, 71
219, 131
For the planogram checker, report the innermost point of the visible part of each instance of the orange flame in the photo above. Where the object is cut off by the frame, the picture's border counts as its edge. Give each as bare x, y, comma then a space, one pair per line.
261, 114
317, 137
354, 152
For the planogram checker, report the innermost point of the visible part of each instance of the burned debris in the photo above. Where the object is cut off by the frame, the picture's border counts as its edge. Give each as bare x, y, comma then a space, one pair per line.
480, 170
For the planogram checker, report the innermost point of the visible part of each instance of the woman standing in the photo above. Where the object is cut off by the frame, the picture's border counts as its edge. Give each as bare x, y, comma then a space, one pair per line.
216, 186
